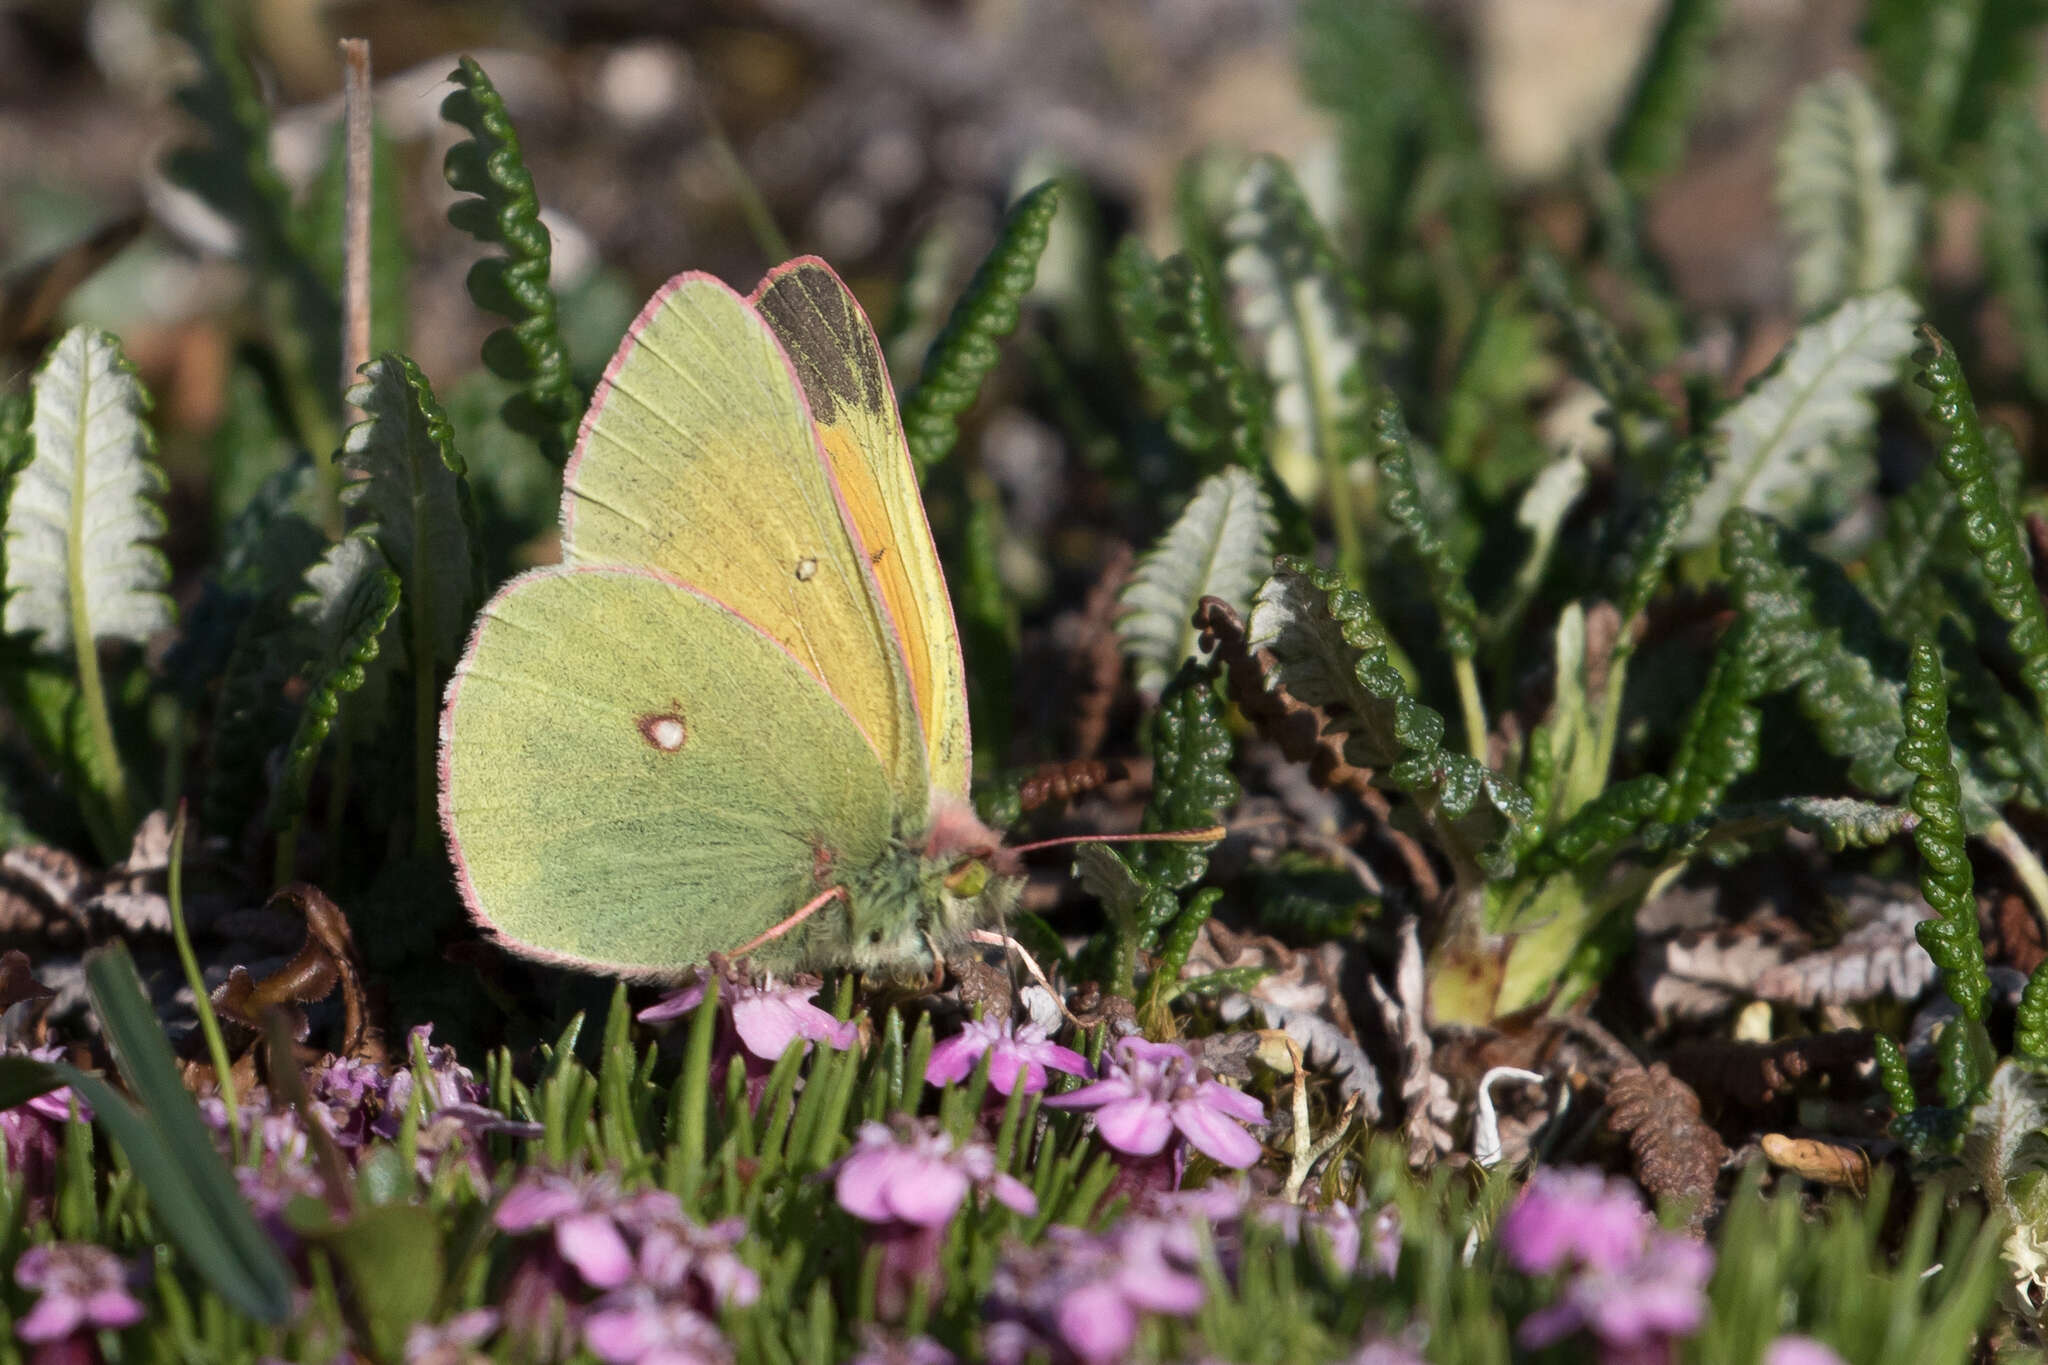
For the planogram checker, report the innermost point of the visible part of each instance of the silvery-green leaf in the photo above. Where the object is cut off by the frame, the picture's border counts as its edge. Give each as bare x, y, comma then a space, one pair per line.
78, 562
1855, 226
1221, 546
1779, 445
1304, 327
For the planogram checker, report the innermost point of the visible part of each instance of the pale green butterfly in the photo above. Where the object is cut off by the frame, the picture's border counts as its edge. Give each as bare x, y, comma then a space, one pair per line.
734, 718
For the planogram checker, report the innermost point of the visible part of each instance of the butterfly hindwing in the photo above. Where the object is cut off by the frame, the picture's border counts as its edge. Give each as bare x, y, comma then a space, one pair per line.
633, 777
840, 365
699, 460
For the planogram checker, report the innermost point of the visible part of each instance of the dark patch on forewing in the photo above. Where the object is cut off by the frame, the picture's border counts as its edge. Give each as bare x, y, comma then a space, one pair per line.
835, 361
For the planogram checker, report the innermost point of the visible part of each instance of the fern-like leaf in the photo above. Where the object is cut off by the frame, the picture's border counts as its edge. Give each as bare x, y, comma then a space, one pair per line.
1300, 310
1457, 614
506, 213
1650, 135
1600, 826
1192, 783
1855, 227
1780, 443
1604, 361
2015, 225
1719, 743
1838, 822
1654, 540
1945, 877
2030, 1021
80, 568
967, 347
1815, 635
1331, 654
1922, 535
1947, 65
1221, 546
351, 595
408, 485
1990, 518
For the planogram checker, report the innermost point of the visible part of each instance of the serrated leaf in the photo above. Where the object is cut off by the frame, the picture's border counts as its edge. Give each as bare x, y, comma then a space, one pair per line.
1780, 444
1192, 784
79, 564
1921, 534
1105, 875
1947, 64
1855, 227
1221, 546
2007, 1131
1293, 302
1839, 822
505, 212
1329, 652
408, 483
1946, 880
351, 595
1393, 454
1814, 635
2016, 229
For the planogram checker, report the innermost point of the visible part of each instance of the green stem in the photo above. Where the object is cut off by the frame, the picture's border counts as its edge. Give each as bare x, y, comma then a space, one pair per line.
1474, 705
2025, 865
1610, 717
202, 1003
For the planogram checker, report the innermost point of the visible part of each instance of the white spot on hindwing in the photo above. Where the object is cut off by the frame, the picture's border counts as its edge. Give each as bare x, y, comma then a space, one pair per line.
664, 730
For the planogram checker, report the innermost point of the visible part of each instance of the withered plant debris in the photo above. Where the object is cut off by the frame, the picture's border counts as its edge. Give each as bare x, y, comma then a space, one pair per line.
1699, 973
1834, 1164
1676, 1153
1096, 657
1428, 1107
1879, 957
327, 962
1298, 994
1751, 1075
1056, 782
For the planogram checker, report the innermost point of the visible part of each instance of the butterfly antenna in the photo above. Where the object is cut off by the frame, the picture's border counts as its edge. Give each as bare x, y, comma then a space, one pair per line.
1172, 836
811, 907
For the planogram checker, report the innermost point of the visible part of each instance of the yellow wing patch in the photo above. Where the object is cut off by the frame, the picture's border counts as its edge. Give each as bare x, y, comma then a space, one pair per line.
840, 366
699, 460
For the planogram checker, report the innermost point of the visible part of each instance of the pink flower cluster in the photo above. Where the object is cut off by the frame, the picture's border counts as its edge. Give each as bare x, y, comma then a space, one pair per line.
658, 1278
1635, 1287
1020, 1056
764, 1019
1149, 1092
81, 1289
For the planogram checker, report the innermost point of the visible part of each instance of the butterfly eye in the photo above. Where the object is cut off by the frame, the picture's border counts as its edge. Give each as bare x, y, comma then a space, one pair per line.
664, 731
969, 879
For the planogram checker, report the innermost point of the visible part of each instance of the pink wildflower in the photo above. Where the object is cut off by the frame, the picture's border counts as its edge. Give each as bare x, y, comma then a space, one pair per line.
1800, 1351
767, 1018
1634, 1310
453, 1342
1085, 1294
637, 1327
920, 1177
1149, 1090
84, 1288
1018, 1054
579, 1211
1574, 1216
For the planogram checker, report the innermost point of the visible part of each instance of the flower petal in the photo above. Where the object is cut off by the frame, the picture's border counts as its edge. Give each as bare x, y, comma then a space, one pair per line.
1135, 1125
529, 1206
1096, 1094
1214, 1135
673, 1006
55, 1316
954, 1059
926, 1193
591, 1242
1097, 1324
1234, 1102
861, 1185
1015, 1195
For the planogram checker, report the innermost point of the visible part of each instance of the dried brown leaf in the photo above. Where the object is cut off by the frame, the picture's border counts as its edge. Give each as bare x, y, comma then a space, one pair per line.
1699, 973
1826, 1163
1752, 1075
1052, 782
1677, 1154
1428, 1107
326, 962
1878, 957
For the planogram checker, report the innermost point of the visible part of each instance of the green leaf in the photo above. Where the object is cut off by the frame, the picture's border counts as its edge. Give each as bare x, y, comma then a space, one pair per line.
1815, 634
1192, 784
1854, 226
191, 1188
1922, 535
1649, 137
1330, 653
1947, 63
2030, 1021
2016, 229
1301, 311
1990, 516
1602, 825
350, 596
1457, 614
1719, 743
1945, 877
1838, 822
1655, 539
395, 1262
1603, 359
1780, 445
968, 347
79, 566
408, 484
505, 212
1221, 546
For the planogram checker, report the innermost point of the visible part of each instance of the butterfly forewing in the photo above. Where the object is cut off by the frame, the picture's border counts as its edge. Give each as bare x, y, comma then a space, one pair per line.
828, 338
633, 777
699, 460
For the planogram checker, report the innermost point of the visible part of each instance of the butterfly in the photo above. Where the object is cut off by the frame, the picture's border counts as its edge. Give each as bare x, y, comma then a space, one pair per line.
733, 718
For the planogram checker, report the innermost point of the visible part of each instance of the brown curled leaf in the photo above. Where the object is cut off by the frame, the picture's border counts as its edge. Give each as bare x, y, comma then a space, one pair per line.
326, 962
1301, 731
1051, 782
1753, 1075
1825, 1163
1677, 1154
1098, 657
